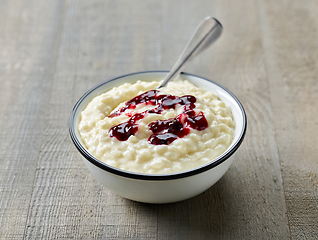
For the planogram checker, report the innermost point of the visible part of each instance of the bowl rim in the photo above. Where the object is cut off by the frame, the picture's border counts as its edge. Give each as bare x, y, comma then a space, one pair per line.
155, 177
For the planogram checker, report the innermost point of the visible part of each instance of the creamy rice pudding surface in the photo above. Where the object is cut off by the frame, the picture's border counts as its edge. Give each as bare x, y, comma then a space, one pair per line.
176, 128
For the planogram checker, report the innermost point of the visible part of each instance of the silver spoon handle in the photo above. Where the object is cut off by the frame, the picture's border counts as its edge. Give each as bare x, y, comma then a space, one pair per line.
207, 32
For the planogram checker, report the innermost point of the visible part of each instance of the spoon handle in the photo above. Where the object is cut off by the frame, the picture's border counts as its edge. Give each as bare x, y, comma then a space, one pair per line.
207, 32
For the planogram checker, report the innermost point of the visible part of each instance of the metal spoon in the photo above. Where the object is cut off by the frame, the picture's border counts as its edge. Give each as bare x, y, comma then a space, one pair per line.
207, 32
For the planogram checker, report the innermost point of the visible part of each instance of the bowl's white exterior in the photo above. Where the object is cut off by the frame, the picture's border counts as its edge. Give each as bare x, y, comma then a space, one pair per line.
163, 191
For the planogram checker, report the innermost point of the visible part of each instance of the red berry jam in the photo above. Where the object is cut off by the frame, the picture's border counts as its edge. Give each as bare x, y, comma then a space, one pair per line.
164, 131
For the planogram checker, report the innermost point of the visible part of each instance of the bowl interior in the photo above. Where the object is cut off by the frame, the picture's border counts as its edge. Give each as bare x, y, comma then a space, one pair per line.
225, 95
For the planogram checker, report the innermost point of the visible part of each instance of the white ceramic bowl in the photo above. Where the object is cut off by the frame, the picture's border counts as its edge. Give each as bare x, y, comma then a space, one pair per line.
164, 188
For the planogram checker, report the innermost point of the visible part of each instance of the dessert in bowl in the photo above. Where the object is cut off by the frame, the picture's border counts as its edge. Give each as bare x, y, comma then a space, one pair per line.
158, 145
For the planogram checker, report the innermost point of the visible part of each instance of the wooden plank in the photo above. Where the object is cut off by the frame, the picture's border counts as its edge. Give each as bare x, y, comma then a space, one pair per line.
28, 40
291, 58
248, 202
100, 40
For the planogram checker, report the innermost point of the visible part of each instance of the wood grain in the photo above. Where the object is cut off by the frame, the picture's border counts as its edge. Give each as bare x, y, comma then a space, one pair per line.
52, 52
28, 50
291, 49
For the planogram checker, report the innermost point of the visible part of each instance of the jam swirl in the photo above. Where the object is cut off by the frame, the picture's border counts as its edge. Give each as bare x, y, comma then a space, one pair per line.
166, 131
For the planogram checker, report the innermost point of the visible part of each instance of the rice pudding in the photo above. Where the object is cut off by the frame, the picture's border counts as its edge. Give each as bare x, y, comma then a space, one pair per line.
136, 128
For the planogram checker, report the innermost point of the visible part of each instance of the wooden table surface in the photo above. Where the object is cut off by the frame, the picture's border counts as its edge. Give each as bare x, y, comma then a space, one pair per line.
52, 52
